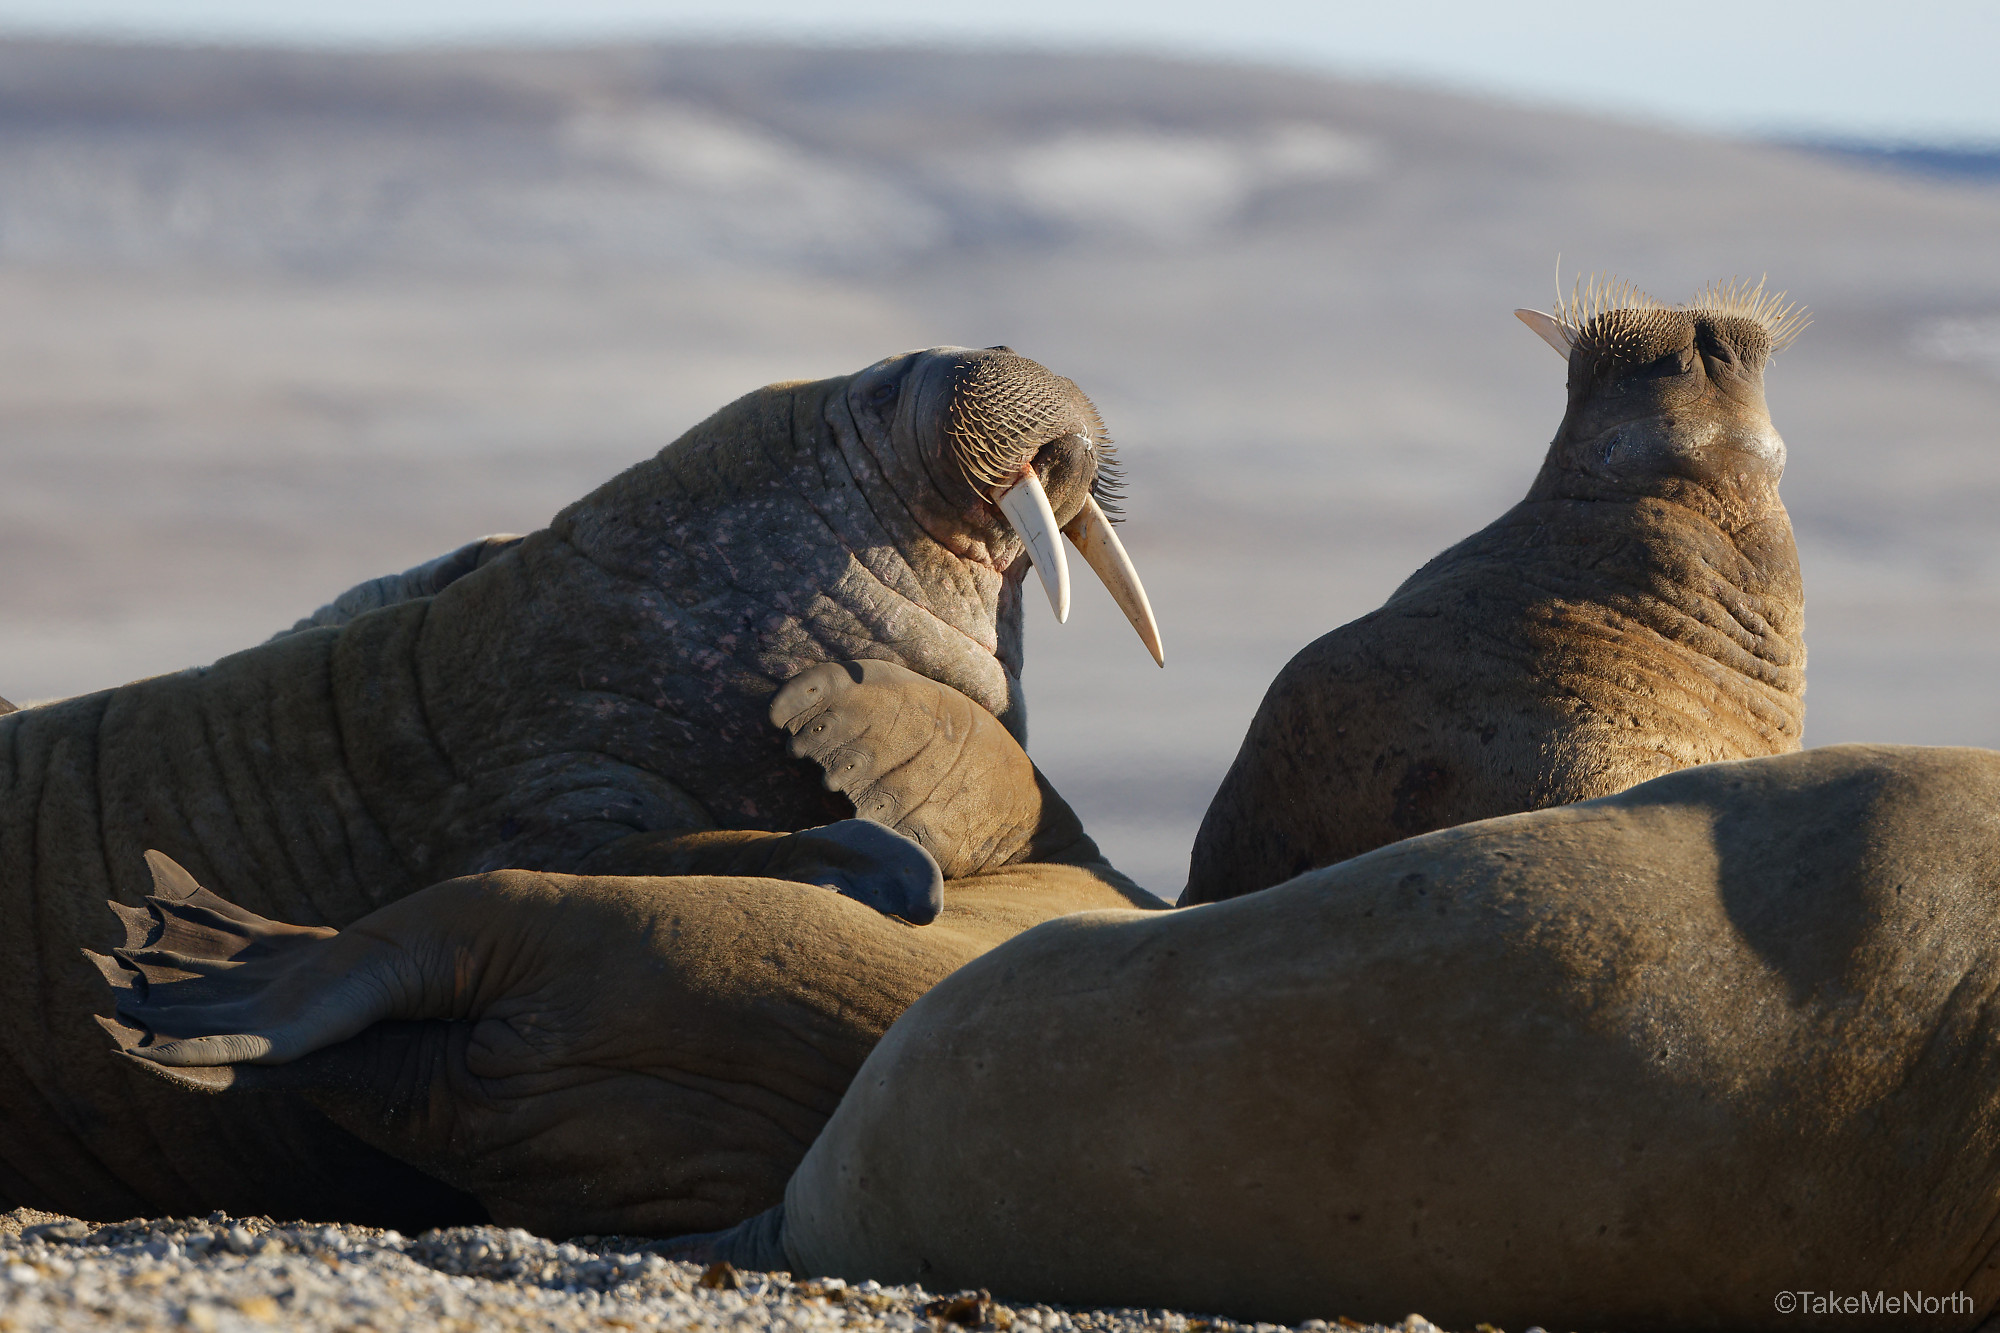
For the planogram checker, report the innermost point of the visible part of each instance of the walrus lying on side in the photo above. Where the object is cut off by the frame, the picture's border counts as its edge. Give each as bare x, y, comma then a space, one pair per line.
1641, 1063
1639, 612
633, 1055
591, 701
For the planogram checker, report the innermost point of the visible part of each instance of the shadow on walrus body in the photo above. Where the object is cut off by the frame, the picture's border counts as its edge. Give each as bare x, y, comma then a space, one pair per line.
1640, 1063
1640, 611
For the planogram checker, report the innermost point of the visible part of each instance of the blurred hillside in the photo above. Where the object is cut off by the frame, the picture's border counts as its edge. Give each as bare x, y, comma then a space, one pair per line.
277, 321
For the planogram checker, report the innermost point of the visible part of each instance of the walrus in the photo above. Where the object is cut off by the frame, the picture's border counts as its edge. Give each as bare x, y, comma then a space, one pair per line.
591, 701
1662, 1060
634, 1055
1640, 611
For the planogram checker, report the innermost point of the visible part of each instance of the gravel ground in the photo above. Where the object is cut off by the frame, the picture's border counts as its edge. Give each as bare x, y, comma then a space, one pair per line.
221, 1274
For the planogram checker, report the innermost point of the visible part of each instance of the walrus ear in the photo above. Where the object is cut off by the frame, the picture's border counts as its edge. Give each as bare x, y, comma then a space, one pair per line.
1550, 330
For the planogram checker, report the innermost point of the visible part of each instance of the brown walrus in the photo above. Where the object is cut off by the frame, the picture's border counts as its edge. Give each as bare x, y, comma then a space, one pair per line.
631, 1055
1640, 611
1664, 1060
591, 701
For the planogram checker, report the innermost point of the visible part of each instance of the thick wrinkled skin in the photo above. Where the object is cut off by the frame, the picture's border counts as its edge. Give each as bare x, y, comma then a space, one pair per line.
1640, 611
620, 1054
1640, 1063
606, 679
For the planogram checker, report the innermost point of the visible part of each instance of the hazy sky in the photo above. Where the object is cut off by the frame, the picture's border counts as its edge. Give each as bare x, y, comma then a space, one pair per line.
1924, 69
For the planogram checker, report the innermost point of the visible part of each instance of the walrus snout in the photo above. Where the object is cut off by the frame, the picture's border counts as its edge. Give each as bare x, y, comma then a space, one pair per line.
1006, 454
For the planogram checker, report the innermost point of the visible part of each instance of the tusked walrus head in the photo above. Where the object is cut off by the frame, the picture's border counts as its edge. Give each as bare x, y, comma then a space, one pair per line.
889, 515
1665, 399
993, 454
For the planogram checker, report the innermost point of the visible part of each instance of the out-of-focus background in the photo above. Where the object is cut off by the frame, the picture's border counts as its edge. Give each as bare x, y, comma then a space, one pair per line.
295, 297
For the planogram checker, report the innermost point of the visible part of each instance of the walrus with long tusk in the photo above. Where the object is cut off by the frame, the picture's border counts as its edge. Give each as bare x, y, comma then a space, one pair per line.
635, 1054
1640, 611
592, 700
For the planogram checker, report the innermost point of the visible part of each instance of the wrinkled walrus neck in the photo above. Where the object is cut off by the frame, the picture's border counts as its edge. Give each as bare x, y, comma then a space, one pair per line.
1653, 564
659, 613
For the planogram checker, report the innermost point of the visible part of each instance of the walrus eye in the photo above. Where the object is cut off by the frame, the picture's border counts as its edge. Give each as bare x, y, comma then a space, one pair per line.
882, 393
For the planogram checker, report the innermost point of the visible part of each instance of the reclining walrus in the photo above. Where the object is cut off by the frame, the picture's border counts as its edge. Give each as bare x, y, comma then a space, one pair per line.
634, 1055
1647, 1062
582, 703
1640, 611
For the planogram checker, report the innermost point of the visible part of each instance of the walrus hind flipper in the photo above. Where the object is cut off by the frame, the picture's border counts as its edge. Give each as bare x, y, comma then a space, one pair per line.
200, 975
185, 932
197, 1078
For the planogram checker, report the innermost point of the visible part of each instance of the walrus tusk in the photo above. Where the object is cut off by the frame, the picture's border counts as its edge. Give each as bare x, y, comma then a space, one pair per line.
1026, 506
1097, 541
1550, 330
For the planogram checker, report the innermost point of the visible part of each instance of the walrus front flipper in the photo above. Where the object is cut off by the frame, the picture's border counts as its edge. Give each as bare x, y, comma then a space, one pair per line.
928, 762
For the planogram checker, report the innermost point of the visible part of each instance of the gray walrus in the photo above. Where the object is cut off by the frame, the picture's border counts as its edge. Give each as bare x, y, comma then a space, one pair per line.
582, 703
1641, 1063
632, 1055
1640, 611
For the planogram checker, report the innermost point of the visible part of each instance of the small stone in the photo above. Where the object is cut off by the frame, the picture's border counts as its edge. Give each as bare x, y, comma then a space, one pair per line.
968, 1309
201, 1318
238, 1240
21, 1274
721, 1276
60, 1233
261, 1308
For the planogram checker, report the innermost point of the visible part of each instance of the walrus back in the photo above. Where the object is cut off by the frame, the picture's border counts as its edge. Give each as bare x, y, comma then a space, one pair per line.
1634, 1064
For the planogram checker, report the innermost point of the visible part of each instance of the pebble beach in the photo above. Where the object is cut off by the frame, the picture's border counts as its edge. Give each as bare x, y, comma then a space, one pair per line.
221, 1274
